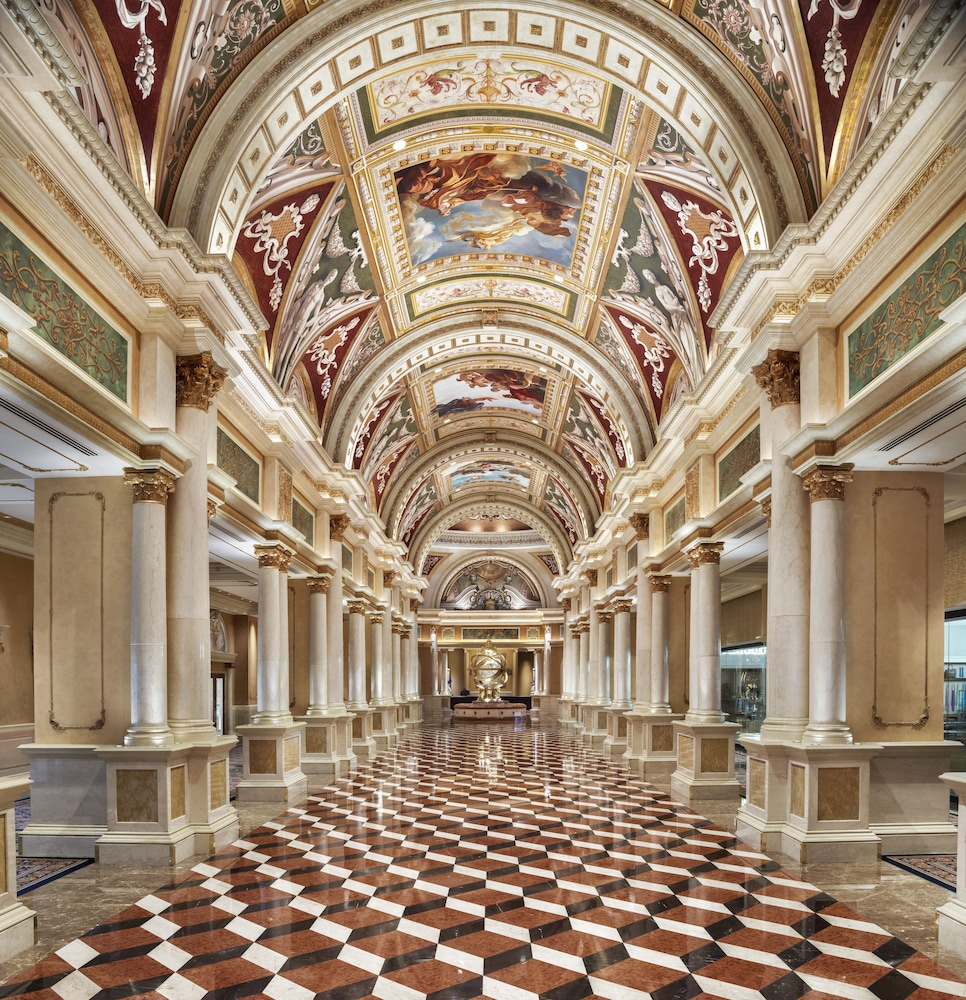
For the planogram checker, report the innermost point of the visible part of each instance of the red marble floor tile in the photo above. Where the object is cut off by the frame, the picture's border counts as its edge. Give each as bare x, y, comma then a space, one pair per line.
756, 940
847, 937
218, 975
741, 972
539, 979
843, 970
640, 977
126, 970
437, 980
329, 976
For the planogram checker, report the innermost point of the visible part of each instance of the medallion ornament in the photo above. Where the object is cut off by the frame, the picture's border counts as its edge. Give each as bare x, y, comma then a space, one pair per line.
778, 377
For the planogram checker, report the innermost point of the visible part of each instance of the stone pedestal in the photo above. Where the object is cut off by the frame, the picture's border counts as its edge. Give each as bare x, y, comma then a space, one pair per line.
566, 711
147, 806
384, 727
952, 914
615, 742
650, 749
810, 801
327, 747
436, 708
16, 921
272, 755
705, 762
593, 730
363, 744
908, 801
545, 708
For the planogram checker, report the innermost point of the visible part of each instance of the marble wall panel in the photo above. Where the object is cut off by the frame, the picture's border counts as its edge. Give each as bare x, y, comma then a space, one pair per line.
137, 795
838, 793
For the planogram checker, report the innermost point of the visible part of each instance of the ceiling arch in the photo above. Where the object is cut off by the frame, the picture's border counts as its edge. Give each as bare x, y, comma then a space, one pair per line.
449, 568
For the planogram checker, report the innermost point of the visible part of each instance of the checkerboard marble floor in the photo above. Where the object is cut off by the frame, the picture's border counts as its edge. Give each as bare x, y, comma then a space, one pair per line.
488, 861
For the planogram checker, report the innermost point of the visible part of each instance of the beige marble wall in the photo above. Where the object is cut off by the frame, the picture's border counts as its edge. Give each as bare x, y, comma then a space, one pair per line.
894, 606
82, 602
17, 612
955, 544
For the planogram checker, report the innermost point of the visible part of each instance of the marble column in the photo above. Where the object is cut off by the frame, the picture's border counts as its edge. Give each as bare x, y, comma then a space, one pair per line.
435, 667
189, 627
416, 704
601, 652
825, 486
537, 672
583, 670
616, 742
660, 696
786, 675
383, 715
362, 741
398, 632
149, 659
327, 750
272, 744
565, 704
705, 765
643, 640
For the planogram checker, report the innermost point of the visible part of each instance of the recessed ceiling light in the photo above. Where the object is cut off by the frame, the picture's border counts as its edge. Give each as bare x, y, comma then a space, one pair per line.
420, 278
558, 278
399, 145
535, 421
580, 144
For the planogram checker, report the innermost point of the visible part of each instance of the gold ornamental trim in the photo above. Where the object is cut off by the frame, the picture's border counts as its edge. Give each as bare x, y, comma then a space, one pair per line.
274, 555
621, 607
150, 485
319, 584
641, 523
338, 525
827, 482
198, 380
705, 554
779, 377
603, 617
377, 617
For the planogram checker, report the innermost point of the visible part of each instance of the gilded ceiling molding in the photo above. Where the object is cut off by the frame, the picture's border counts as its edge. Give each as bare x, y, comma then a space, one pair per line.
707, 426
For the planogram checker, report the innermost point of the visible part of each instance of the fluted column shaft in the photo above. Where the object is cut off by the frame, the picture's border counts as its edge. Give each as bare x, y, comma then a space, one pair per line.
827, 656
788, 560
705, 691
318, 645
271, 694
198, 380
660, 699
357, 655
149, 639
622, 654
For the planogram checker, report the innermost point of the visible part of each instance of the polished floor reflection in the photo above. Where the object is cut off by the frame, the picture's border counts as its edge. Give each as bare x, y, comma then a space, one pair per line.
488, 861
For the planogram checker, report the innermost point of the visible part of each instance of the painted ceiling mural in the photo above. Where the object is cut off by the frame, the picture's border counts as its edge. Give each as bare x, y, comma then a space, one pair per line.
487, 245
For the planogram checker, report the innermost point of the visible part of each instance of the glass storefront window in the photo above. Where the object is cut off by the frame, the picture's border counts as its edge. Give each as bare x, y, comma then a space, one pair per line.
743, 686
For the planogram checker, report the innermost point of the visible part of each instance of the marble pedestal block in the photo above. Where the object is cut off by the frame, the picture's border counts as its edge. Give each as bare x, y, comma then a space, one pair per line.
810, 801
908, 800
566, 714
615, 742
273, 763
544, 707
651, 752
363, 745
327, 745
17, 923
436, 708
384, 727
705, 762
593, 725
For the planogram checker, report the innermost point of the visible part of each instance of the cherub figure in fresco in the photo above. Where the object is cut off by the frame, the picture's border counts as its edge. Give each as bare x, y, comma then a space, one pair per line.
522, 386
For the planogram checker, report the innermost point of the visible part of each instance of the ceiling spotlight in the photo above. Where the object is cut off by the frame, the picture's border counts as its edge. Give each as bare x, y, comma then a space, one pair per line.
534, 421
400, 144
558, 278
580, 144
420, 278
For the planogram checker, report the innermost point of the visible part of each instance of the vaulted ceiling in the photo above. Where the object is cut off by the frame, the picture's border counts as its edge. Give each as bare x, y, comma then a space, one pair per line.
487, 244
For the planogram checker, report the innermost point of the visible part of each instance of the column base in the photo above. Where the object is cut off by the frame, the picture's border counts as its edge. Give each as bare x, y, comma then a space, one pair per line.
565, 714
810, 802
327, 749
593, 730
273, 763
545, 707
435, 708
705, 762
951, 917
384, 727
17, 923
363, 745
68, 801
615, 742
650, 750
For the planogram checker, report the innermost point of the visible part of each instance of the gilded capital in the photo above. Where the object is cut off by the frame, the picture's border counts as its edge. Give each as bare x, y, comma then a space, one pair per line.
566, 604
641, 524
778, 376
660, 584
766, 509
413, 605
338, 526
388, 576
212, 510
319, 584
827, 482
376, 618
273, 555
150, 485
605, 616
591, 575
705, 553
621, 607
198, 380
357, 607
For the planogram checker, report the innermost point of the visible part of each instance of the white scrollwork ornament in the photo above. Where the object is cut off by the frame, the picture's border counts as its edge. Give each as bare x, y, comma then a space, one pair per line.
144, 64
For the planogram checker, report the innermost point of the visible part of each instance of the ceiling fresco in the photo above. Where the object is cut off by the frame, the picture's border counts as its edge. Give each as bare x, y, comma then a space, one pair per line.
487, 244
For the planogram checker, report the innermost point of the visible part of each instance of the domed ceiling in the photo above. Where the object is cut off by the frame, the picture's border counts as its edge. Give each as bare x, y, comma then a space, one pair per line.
488, 244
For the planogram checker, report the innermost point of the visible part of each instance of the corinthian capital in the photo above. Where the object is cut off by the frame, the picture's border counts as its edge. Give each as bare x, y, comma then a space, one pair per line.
641, 524
827, 482
338, 526
273, 555
705, 553
197, 380
150, 485
778, 376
